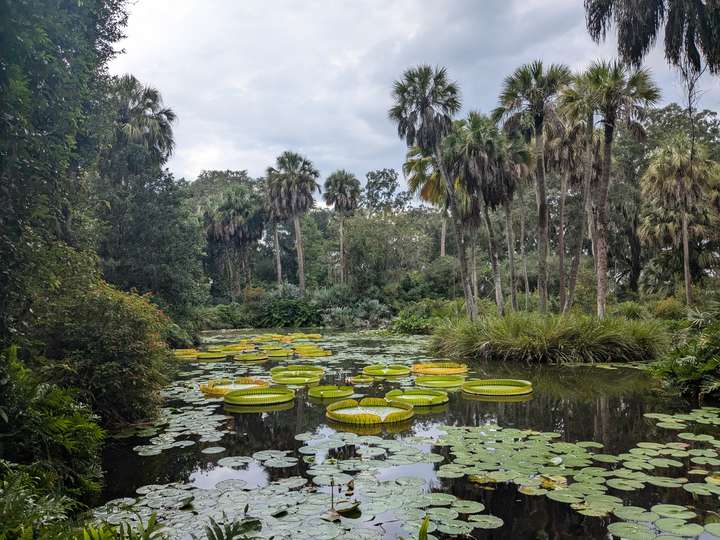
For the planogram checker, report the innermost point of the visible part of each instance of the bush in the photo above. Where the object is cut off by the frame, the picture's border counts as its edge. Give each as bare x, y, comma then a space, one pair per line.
287, 313
47, 433
693, 369
670, 308
410, 324
532, 337
109, 345
630, 310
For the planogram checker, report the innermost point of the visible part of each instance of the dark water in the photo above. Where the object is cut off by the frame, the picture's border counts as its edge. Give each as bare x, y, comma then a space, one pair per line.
581, 403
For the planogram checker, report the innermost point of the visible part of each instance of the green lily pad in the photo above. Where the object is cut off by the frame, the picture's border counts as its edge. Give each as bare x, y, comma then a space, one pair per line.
631, 531
485, 521
678, 526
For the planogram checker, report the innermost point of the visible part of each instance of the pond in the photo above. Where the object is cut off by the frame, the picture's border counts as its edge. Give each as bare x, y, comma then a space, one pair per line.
578, 455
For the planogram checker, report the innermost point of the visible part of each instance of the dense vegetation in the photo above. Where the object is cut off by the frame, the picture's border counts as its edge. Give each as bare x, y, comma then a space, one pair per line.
598, 211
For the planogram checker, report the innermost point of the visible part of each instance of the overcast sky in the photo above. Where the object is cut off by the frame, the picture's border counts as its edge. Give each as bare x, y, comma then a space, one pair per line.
251, 78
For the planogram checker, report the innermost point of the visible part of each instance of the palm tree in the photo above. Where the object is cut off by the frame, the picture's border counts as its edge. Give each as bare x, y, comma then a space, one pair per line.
342, 191
531, 91
291, 184
236, 223
275, 216
141, 117
622, 95
424, 180
690, 29
563, 154
482, 147
577, 104
425, 102
677, 184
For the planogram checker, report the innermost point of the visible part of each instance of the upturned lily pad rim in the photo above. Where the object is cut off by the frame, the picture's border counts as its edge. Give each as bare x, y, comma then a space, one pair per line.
298, 367
382, 370
260, 396
498, 387
296, 377
438, 397
334, 411
440, 368
218, 387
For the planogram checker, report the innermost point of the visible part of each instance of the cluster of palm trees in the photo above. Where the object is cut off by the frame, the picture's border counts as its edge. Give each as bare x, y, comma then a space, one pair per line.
290, 187
546, 118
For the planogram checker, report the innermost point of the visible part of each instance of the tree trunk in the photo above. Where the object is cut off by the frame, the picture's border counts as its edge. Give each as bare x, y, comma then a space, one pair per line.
473, 266
492, 247
443, 234
561, 238
300, 254
686, 259
470, 306
278, 260
635, 255
510, 239
542, 225
522, 246
342, 252
601, 211
583, 212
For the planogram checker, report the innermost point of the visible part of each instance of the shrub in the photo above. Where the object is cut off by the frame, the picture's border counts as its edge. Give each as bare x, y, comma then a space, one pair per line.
693, 369
630, 310
411, 324
47, 432
532, 337
287, 313
109, 345
339, 317
670, 308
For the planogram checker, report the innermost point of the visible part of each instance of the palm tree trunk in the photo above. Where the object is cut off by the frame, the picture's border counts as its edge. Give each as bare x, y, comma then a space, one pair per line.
300, 254
582, 213
443, 234
473, 265
278, 260
492, 247
470, 306
602, 210
342, 253
542, 225
686, 259
510, 239
561, 238
523, 256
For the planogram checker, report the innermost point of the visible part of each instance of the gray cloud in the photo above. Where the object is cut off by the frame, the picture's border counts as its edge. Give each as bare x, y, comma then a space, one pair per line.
251, 78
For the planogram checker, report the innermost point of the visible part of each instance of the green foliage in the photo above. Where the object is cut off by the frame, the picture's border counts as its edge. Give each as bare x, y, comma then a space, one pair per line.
669, 308
693, 369
235, 530
47, 432
110, 346
630, 310
280, 312
532, 337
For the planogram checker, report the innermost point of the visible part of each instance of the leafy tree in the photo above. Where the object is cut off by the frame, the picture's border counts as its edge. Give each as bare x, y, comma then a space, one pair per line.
53, 59
621, 96
425, 102
290, 186
381, 192
678, 185
342, 191
531, 91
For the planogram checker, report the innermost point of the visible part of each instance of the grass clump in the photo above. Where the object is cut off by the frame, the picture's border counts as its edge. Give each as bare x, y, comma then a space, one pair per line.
536, 338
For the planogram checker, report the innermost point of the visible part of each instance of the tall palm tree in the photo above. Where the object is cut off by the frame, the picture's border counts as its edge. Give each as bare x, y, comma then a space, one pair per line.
482, 147
531, 91
577, 105
425, 102
141, 117
291, 184
677, 185
622, 96
342, 191
690, 29
563, 154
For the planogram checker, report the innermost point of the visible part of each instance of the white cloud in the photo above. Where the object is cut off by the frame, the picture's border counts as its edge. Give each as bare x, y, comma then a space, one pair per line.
251, 78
